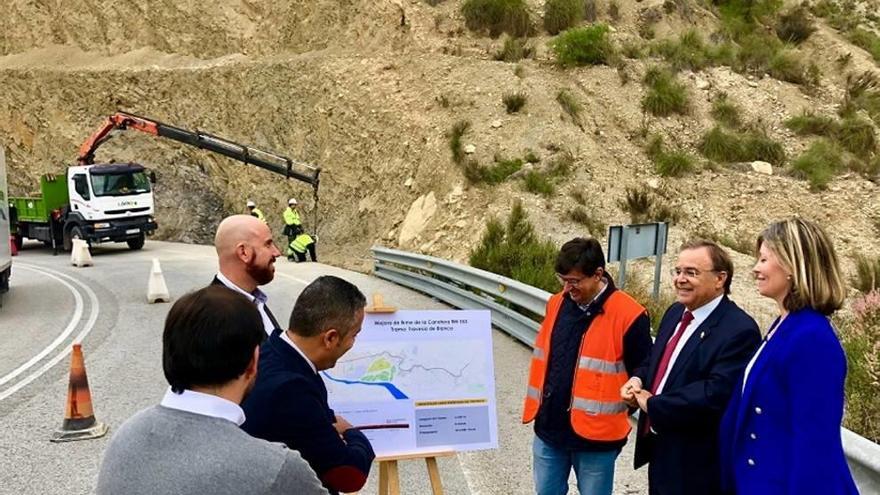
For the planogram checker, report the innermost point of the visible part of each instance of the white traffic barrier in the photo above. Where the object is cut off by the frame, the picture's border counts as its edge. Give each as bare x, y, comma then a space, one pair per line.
79, 254
157, 291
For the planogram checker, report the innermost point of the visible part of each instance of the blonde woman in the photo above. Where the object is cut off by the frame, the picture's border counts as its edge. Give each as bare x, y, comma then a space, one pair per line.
781, 431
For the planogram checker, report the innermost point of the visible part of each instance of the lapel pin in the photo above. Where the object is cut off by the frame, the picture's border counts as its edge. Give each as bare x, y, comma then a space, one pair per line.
702, 334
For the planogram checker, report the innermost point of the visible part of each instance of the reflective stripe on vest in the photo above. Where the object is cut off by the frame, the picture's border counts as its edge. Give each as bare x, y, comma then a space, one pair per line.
534, 393
597, 413
594, 407
601, 366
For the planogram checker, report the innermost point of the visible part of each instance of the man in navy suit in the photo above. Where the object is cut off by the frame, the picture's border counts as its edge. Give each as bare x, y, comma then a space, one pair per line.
703, 345
289, 401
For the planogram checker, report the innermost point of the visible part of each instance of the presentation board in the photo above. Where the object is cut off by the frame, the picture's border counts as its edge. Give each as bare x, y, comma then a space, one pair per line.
419, 381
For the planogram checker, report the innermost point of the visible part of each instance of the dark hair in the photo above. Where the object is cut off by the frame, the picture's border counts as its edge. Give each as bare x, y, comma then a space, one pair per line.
721, 261
209, 338
328, 302
582, 253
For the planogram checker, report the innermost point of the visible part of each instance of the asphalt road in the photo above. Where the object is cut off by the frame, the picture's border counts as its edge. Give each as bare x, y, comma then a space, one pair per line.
104, 306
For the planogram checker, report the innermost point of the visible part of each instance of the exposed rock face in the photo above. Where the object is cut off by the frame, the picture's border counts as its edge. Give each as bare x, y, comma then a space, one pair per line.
420, 213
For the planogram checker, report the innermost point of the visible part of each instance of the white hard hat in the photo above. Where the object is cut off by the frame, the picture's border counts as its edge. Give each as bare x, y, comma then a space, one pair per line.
251, 204
291, 201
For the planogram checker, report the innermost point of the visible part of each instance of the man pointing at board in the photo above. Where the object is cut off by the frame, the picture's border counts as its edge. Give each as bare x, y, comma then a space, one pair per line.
289, 401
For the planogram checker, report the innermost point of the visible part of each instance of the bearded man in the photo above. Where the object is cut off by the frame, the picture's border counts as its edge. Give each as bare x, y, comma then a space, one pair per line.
246, 254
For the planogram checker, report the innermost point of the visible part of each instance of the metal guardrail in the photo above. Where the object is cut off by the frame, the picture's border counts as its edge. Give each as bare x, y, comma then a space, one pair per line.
511, 303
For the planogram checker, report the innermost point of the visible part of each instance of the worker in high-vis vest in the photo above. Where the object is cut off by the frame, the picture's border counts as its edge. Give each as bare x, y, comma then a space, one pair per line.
299, 245
255, 212
292, 223
591, 340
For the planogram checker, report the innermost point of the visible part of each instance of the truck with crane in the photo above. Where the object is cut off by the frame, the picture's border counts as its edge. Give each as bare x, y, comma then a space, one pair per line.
113, 202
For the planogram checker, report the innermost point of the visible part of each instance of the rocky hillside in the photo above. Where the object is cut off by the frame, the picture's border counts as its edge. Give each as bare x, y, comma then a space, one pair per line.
371, 89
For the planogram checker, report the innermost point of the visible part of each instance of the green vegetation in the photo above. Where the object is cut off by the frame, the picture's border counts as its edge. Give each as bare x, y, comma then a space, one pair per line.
645, 206
867, 274
675, 163
631, 49
455, 145
497, 16
726, 112
866, 40
853, 134
846, 19
537, 183
513, 102
729, 147
857, 136
543, 183
494, 174
531, 157
570, 105
862, 93
514, 250
594, 225
795, 26
788, 65
587, 45
860, 336
560, 15
689, 51
641, 289
819, 164
514, 50
811, 123
666, 95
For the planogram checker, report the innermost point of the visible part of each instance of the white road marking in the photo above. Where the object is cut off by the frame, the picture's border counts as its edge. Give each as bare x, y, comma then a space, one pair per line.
74, 321
90, 323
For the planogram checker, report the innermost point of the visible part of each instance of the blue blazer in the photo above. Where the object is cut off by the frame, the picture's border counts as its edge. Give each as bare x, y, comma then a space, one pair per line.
782, 434
289, 405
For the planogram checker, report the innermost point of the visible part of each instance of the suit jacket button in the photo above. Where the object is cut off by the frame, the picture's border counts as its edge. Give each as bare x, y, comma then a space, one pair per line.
753, 436
758, 410
751, 462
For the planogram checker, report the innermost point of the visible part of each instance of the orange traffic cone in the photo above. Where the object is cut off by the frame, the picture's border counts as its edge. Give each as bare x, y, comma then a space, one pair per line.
79, 418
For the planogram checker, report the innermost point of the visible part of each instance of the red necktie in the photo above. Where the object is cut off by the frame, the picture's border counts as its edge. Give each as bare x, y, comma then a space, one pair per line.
686, 319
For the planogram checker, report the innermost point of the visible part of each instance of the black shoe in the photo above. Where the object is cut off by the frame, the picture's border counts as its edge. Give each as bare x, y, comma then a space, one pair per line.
291, 258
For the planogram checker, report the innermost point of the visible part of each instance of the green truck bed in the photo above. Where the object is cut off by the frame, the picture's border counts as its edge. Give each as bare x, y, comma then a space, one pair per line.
37, 209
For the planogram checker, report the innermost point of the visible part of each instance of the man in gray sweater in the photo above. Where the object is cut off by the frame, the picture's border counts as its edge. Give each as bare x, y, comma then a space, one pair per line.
191, 442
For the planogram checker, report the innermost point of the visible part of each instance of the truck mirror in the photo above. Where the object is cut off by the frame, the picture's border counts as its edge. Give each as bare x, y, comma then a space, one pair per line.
152, 177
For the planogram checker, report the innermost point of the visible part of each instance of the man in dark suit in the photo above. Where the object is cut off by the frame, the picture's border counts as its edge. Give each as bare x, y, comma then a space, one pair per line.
703, 345
246, 254
289, 401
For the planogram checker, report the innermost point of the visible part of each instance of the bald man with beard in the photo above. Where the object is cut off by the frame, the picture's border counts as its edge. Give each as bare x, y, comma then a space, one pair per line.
246, 253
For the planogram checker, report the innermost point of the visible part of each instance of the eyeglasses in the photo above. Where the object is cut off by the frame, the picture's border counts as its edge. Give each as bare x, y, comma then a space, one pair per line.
563, 280
689, 272
569, 281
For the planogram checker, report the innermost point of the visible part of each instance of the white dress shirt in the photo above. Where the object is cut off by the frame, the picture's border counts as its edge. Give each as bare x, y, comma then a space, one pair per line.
700, 315
758, 353
285, 338
204, 404
258, 297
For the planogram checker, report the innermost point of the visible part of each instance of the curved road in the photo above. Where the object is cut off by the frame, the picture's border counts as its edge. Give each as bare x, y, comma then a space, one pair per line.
53, 304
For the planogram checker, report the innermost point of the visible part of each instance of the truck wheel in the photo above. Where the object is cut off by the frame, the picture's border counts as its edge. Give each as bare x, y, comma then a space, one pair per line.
136, 243
74, 233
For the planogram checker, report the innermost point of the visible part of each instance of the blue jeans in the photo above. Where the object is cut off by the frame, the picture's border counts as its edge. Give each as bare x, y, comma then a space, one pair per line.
594, 470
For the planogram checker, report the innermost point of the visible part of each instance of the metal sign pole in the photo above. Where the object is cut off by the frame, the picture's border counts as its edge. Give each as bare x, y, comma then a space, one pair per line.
624, 233
661, 248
